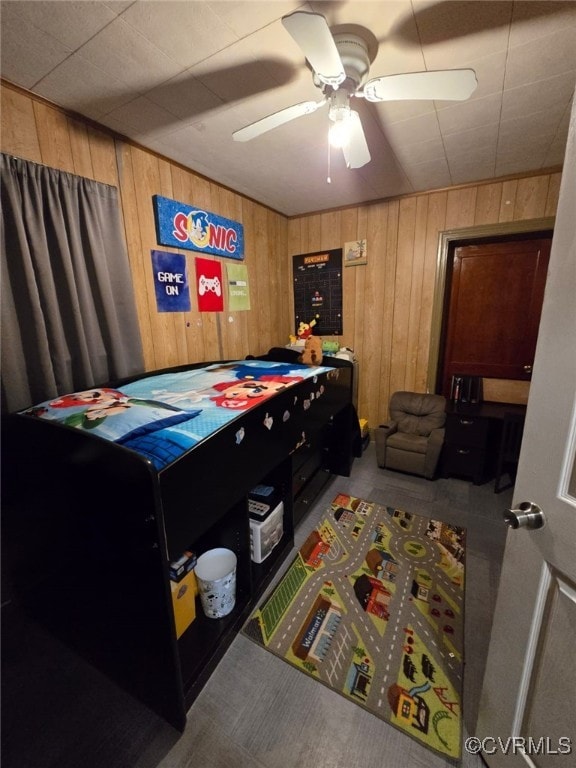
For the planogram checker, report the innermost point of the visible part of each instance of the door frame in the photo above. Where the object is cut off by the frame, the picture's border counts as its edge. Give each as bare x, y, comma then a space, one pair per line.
466, 236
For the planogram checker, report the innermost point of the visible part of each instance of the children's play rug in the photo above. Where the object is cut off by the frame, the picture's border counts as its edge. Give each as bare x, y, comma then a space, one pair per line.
373, 607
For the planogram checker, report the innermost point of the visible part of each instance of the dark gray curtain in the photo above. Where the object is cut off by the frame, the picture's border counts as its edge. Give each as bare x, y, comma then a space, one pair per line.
68, 312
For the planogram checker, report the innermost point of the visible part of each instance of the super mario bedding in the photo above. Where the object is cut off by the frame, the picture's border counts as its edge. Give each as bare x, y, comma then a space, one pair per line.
163, 416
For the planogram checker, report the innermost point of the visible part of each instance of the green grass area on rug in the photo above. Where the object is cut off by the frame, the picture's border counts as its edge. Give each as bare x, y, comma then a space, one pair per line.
373, 607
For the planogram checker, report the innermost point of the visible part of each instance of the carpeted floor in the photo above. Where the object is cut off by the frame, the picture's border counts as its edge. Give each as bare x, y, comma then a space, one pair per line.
256, 711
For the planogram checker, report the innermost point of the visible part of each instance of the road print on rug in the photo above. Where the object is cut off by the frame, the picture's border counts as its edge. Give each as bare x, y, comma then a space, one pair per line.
373, 606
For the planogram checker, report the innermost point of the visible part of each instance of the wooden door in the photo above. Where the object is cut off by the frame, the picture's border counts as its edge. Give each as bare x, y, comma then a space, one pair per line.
494, 312
529, 694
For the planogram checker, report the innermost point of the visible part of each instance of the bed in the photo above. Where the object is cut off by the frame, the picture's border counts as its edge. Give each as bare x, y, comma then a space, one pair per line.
106, 487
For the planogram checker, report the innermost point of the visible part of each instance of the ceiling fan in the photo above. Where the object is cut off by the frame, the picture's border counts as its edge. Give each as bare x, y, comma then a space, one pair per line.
341, 65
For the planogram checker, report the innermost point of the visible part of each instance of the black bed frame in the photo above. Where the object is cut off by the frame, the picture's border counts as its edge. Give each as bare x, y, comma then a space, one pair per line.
90, 527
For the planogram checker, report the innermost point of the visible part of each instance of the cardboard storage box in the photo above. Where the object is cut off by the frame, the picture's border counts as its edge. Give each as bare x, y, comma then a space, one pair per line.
184, 601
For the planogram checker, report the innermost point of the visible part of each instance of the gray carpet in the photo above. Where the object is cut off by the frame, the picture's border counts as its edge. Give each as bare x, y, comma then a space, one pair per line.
255, 711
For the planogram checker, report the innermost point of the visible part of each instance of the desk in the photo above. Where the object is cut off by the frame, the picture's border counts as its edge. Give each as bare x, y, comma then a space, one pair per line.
473, 436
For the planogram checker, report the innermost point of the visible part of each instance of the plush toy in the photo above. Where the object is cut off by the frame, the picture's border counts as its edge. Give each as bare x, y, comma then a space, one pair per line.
305, 329
312, 354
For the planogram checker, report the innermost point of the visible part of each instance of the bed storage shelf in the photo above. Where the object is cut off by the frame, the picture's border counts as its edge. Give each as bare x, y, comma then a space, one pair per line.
91, 526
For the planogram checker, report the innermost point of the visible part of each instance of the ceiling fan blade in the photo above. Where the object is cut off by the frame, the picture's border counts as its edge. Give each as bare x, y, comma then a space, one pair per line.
440, 85
276, 119
311, 32
356, 152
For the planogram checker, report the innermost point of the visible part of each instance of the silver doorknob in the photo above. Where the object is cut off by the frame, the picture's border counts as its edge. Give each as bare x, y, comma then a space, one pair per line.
526, 515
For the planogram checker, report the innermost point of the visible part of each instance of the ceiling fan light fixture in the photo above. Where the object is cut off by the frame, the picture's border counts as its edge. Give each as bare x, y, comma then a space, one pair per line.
339, 131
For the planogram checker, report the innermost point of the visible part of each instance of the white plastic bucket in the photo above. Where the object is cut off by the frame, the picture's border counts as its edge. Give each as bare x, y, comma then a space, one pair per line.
216, 577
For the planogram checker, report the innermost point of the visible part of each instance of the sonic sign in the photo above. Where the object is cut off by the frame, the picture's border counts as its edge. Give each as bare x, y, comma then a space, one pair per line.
184, 226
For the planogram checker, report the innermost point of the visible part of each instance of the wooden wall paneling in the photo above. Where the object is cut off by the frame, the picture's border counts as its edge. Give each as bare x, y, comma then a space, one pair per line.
553, 193
230, 324
379, 410
252, 326
294, 247
488, 203
178, 320
330, 230
359, 305
18, 130
461, 207
139, 258
80, 148
401, 259
261, 273
402, 290
312, 234
371, 284
349, 233
147, 183
435, 223
418, 330
281, 325
52, 126
531, 197
184, 185
103, 154
508, 202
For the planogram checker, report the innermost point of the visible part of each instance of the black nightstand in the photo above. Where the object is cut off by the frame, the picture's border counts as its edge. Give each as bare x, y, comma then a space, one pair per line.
472, 439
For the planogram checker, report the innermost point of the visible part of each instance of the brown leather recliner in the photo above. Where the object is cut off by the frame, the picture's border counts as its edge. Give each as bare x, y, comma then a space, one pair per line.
412, 440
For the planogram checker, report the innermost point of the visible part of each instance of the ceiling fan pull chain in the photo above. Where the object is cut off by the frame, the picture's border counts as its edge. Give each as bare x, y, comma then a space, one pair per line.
328, 178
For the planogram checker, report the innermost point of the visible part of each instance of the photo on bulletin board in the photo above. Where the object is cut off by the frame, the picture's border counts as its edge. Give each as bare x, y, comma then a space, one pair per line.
318, 291
355, 253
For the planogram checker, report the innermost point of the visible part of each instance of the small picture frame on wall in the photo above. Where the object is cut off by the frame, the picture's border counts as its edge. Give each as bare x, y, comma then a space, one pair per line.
355, 253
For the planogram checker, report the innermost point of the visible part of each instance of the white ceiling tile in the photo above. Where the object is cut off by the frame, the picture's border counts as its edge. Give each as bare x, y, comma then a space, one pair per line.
429, 175
179, 77
185, 96
245, 18
423, 128
463, 171
473, 140
399, 111
420, 152
535, 125
535, 144
541, 58
122, 52
506, 166
479, 112
27, 52
187, 32
455, 33
541, 95
78, 85
145, 119
535, 19
72, 23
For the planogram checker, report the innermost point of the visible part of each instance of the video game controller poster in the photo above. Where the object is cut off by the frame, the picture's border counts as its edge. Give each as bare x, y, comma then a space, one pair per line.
209, 285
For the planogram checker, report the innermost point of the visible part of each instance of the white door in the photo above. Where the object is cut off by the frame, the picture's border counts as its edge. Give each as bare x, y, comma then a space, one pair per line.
528, 707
